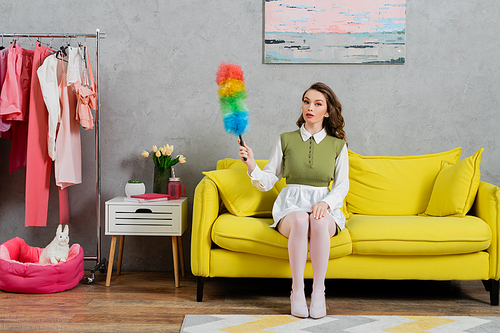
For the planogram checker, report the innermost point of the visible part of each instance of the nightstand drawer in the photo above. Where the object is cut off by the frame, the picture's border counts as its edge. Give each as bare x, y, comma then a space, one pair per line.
160, 218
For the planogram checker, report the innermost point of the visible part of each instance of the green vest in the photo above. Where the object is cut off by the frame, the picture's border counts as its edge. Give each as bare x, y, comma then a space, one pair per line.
309, 163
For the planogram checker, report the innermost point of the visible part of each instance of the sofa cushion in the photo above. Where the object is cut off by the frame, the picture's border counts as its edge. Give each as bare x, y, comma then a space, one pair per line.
394, 185
253, 235
417, 235
238, 194
456, 187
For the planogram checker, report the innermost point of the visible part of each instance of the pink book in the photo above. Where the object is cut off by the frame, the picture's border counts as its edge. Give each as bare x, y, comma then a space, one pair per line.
151, 196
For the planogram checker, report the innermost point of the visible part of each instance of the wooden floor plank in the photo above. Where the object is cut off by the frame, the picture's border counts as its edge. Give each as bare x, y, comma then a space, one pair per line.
90, 327
149, 302
151, 318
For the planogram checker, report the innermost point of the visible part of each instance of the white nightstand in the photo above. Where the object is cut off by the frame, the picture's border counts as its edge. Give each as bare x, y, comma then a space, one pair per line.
159, 218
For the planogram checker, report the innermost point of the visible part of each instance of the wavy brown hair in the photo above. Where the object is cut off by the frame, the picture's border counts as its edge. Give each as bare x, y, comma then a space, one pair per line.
334, 124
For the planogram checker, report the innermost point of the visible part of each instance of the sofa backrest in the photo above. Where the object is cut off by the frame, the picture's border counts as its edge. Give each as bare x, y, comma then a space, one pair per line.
382, 185
394, 185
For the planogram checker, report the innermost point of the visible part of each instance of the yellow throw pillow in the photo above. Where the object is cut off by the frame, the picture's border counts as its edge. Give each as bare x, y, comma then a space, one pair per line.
233, 163
393, 185
238, 194
456, 187
344, 210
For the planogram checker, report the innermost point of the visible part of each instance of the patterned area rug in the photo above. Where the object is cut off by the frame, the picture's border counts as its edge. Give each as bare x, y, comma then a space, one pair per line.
357, 324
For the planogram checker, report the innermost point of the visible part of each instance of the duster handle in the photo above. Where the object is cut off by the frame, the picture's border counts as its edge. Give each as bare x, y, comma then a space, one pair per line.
241, 144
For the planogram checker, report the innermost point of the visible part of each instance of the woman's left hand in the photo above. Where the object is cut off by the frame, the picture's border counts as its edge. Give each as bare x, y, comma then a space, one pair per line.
319, 210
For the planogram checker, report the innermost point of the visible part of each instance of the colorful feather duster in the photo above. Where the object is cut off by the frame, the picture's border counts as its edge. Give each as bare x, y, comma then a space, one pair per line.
231, 93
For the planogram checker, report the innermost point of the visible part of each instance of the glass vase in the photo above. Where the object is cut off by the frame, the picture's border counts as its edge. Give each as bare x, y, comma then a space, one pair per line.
160, 179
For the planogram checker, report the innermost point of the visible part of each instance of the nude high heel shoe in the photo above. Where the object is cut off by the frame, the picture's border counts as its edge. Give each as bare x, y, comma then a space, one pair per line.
298, 310
317, 312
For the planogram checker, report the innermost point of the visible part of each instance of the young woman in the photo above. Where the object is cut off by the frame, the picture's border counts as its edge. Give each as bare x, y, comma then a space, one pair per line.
306, 211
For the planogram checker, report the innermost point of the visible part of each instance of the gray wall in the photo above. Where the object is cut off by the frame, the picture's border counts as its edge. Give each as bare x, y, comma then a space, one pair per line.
158, 67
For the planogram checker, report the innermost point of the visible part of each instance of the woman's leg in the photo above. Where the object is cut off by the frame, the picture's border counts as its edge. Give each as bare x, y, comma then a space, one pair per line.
295, 226
320, 233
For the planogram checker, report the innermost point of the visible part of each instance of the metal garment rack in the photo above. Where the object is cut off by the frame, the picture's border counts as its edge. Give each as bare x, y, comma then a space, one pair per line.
100, 262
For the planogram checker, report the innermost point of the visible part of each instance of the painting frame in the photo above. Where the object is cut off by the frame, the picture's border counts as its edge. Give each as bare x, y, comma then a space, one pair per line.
335, 31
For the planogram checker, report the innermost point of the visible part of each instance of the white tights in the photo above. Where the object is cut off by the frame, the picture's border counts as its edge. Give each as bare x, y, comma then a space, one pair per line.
302, 228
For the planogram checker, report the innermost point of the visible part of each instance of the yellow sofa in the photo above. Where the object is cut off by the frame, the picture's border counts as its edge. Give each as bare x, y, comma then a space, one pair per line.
425, 217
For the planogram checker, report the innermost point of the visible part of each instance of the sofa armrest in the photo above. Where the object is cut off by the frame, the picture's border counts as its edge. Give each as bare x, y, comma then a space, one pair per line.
206, 206
487, 207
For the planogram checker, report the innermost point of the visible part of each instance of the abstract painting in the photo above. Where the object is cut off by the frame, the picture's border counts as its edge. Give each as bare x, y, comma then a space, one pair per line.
335, 31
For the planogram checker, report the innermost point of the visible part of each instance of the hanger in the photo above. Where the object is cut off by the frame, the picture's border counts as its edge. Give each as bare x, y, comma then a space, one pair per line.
86, 61
63, 49
61, 54
49, 46
31, 41
1, 46
85, 78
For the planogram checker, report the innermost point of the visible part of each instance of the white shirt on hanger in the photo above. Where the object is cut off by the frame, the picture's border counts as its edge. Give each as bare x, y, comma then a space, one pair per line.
47, 75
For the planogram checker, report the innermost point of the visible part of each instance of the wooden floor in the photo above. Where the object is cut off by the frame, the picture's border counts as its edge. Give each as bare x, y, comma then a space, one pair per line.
149, 302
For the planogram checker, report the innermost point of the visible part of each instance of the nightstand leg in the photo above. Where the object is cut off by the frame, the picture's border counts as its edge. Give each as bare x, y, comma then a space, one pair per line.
120, 255
176, 261
181, 252
110, 261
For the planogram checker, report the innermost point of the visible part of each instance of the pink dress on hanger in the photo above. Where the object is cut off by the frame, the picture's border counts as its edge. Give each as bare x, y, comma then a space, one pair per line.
68, 161
5, 132
14, 102
3, 66
14, 99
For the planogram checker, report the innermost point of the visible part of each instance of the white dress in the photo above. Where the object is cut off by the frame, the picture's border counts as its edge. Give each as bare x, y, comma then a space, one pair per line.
302, 197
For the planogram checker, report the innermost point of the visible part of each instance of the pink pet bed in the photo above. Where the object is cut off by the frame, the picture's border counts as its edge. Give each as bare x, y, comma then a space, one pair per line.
20, 271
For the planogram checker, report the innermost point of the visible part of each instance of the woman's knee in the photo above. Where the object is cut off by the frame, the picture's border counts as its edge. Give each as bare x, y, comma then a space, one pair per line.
323, 225
298, 220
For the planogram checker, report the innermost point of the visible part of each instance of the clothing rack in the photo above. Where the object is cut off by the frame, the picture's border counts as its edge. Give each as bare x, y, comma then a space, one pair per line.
100, 262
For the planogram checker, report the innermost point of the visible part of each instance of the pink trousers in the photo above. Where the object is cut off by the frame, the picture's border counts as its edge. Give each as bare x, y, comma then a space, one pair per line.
39, 164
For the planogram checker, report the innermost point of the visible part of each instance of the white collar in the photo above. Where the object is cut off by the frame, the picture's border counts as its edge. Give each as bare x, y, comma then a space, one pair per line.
318, 137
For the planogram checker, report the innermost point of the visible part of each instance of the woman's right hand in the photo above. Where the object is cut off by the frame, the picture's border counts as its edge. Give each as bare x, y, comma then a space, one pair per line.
246, 152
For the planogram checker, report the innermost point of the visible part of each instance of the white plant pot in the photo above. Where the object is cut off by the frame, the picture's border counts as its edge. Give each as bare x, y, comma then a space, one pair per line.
134, 189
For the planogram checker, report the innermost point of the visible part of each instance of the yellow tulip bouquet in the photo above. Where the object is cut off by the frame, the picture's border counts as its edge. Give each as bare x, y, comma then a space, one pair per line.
162, 157
163, 161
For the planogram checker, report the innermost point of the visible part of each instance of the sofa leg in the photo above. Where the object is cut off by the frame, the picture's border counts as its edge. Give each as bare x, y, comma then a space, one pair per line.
487, 285
199, 289
494, 292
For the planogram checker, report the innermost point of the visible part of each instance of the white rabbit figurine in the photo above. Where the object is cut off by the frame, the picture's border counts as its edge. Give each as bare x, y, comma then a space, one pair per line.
58, 249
